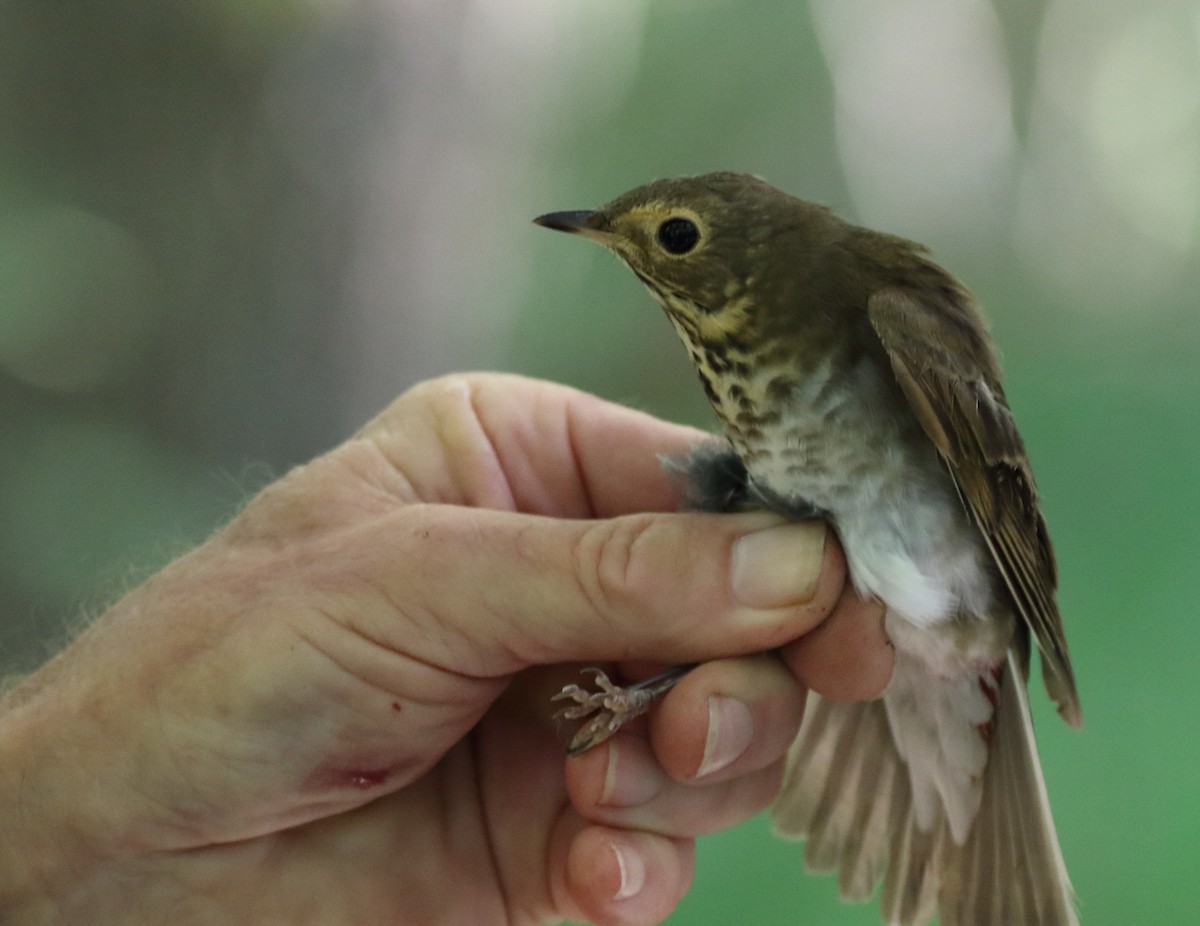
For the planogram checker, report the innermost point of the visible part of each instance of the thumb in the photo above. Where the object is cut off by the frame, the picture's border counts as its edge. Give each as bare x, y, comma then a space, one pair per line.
523, 590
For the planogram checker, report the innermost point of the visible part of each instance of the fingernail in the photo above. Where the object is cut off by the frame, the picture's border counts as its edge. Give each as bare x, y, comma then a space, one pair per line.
730, 729
633, 871
630, 779
778, 566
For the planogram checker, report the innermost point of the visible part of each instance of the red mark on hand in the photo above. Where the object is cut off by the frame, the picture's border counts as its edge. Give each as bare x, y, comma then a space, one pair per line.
338, 779
368, 778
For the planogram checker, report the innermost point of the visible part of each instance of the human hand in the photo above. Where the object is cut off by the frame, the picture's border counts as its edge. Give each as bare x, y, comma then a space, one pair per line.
337, 709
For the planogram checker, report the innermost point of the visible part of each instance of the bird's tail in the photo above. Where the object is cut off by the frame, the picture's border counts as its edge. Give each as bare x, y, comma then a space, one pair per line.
849, 794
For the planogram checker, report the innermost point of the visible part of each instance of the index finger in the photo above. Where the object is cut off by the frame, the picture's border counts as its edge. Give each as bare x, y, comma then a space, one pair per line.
507, 442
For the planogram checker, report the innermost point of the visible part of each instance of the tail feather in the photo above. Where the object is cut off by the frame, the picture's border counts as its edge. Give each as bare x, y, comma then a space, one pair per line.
834, 818
864, 862
849, 793
835, 759
1011, 869
914, 874
809, 764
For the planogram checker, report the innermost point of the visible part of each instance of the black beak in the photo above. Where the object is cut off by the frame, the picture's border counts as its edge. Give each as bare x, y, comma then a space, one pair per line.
573, 222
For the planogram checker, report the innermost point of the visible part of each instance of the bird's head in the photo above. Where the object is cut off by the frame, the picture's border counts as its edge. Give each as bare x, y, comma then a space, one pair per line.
699, 244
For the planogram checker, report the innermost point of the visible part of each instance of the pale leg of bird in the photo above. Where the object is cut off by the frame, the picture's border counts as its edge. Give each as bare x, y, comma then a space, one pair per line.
613, 705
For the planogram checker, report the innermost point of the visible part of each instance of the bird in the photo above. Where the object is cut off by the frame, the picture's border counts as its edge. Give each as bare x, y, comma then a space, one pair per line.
855, 381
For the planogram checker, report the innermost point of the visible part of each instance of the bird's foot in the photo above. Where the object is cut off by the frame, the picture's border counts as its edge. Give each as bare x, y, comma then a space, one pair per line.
611, 707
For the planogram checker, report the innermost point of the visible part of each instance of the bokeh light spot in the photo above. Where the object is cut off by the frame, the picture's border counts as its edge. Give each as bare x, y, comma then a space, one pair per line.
923, 110
1145, 128
76, 297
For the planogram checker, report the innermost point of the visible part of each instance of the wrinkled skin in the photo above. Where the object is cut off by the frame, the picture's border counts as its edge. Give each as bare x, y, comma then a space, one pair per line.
337, 709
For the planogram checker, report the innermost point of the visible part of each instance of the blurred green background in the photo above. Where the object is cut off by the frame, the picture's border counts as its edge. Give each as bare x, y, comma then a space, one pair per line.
232, 230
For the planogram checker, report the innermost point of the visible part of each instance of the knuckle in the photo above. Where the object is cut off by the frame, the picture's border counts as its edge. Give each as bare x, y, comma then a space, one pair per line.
440, 386
449, 396
444, 395
428, 400
614, 571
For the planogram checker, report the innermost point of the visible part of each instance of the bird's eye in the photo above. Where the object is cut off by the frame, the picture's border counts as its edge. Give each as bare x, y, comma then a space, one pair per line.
678, 235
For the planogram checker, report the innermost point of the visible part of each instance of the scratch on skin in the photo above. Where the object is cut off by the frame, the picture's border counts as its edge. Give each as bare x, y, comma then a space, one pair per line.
339, 779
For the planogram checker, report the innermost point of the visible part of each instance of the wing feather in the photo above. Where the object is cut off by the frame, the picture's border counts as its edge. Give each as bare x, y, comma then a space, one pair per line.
945, 365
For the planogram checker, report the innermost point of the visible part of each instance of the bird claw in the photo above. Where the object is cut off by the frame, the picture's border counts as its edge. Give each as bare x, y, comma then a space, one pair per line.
612, 706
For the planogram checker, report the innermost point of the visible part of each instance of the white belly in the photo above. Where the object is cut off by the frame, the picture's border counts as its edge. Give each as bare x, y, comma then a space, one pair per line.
841, 447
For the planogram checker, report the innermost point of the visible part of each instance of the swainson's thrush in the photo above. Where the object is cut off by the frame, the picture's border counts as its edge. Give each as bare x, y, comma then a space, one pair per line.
856, 382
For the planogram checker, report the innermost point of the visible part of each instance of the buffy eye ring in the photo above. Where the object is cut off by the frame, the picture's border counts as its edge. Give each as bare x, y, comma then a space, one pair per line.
678, 235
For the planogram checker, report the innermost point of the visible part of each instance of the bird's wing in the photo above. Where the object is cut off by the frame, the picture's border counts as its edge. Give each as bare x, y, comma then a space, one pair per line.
946, 368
